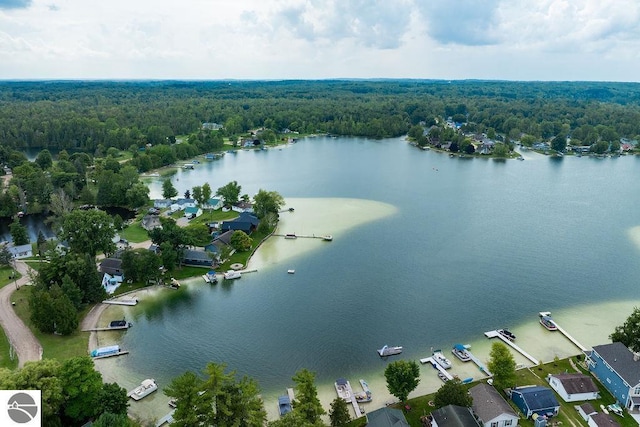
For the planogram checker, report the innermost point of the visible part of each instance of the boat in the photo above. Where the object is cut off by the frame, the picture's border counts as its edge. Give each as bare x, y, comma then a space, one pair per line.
119, 324
460, 351
616, 409
106, 351
291, 271
147, 387
290, 236
439, 358
187, 166
327, 237
173, 403
343, 388
443, 377
365, 394
547, 322
389, 351
284, 405
507, 334
232, 274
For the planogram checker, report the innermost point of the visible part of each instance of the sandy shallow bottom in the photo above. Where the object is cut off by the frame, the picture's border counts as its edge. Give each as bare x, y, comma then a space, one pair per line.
589, 324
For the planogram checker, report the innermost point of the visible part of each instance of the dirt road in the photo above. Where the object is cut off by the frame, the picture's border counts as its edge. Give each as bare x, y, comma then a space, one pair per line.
24, 343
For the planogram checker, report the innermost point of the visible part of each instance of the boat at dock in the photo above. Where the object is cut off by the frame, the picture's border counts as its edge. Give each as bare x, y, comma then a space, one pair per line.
343, 389
327, 237
547, 321
147, 387
441, 360
111, 350
119, 324
507, 334
365, 394
460, 351
443, 377
389, 351
284, 405
290, 236
232, 274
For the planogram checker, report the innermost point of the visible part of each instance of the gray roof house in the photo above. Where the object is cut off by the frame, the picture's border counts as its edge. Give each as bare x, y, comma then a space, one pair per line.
491, 408
112, 266
602, 420
149, 222
454, 416
574, 387
386, 417
196, 258
162, 203
22, 251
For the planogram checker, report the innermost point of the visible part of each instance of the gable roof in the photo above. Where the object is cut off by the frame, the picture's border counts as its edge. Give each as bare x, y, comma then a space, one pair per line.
576, 383
191, 209
224, 237
386, 417
604, 420
111, 263
248, 217
587, 408
538, 397
618, 356
454, 416
196, 255
488, 404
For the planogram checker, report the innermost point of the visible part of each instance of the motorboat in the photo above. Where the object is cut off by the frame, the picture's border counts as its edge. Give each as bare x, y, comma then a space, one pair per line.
343, 388
507, 334
147, 387
284, 405
548, 323
460, 351
441, 360
232, 274
389, 351
365, 394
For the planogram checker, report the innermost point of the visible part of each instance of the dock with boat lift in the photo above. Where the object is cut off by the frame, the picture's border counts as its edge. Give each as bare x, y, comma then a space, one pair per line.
496, 334
563, 332
436, 365
105, 356
326, 237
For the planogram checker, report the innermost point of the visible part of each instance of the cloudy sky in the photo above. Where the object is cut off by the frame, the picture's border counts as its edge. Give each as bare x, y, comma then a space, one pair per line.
319, 39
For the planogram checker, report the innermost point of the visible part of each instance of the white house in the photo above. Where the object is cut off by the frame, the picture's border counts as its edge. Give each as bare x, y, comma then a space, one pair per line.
162, 203
22, 251
186, 203
192, 211
491, 408
213, 204
573, 387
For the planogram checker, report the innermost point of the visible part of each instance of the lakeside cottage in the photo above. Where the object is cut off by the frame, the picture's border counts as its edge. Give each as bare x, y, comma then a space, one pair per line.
574, 387
386, 417
21, 251
535, 400
491, 408
454, 416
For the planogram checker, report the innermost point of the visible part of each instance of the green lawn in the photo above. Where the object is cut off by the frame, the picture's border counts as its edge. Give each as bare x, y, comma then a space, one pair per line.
6, 275
134, 233
53, 346
5, 354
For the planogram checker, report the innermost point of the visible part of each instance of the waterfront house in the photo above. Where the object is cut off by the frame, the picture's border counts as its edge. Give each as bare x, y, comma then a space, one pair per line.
192, 212
196, 258
186, 203
491, 408
111, 266
618, 369
535, 400
213, 204
600, 419
454, 416
149, 222
20, 251
242, 207
244, 222
162, 203
574, 387
386, 417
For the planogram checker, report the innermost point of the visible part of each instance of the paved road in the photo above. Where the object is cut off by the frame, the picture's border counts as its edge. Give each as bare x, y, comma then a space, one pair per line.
24, 343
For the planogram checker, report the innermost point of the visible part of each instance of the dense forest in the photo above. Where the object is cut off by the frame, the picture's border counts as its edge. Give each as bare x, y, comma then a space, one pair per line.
88, 116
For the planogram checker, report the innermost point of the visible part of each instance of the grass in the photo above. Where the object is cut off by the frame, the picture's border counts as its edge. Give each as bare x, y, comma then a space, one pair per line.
134, 233
5, 359
53, 346
6, 275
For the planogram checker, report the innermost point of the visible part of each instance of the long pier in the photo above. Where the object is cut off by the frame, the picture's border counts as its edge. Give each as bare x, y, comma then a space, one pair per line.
115, 328
326, 237
494, 334
121, 302
482, 366
436, 365
565, 333
120, 353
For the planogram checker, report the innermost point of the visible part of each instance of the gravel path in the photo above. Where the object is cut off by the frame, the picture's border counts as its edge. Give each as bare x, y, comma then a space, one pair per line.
24, 343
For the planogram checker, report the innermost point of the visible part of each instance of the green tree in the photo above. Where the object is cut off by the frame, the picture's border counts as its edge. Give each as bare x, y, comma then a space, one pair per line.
107, 419
629, 332
306, 402
88, 231
113, 399
402, 378
452, 392
18, 233
339, 413
559, 143
140, 265
118, 222
82, 386
194, 407
230, 192
44, 159
294, 419
500, 150
502, 365
206, 192
137, 195
168, 190
266, 202
196, 193
240, 241
5, 256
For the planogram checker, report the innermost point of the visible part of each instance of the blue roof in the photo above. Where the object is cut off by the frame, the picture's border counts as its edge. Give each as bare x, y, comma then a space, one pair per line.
538, 397
191, 209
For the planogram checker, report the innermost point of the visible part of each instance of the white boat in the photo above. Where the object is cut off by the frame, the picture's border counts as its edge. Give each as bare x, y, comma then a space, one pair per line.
365, 394
290, 236
507, 334
441, 360
232, 274
389, 351
147, 387
291, 271
343, 388
547, 321
460, 351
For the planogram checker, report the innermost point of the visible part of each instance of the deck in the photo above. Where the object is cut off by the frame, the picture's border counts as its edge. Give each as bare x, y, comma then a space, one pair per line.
565, 333
436, 365
496, 334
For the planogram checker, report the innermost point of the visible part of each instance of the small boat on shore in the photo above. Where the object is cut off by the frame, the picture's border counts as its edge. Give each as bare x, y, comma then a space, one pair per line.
147, 387
443, 377
389, 351
547, 321
232, 274
365, 394
441, 360
284, 405
460, 351
343, 389
507, 334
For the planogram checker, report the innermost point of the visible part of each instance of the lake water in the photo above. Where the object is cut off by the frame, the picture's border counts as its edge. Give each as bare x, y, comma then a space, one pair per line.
456, 247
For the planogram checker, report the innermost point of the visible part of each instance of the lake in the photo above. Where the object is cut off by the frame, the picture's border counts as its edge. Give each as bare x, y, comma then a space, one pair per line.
457, 247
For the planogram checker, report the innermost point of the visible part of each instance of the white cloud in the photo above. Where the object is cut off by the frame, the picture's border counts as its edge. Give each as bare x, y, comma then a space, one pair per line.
498, 39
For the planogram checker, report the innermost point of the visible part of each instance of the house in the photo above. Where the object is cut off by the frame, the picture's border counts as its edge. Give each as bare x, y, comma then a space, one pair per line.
162, 203
149, 222
111, 266
21, 251
454, 416
214, 204
211, 126
190, 211
573, 387
196, 258
242, 207
585, 410
186, 203
535, 400
244, 222
602, 420
223, 239
618, 369
491, 408
386, 417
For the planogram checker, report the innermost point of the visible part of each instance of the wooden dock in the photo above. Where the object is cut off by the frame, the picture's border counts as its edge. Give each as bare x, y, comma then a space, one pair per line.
115, 328
436, 365
167, 419
354, 401
121, 302
565, 333
494, 334
120, 353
